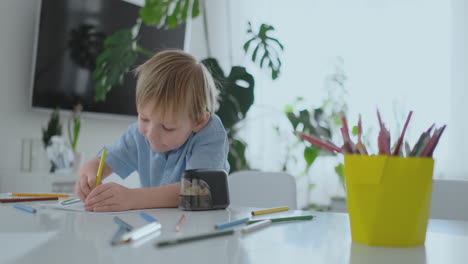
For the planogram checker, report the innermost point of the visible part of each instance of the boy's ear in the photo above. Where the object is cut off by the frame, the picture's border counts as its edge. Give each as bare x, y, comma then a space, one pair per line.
201, 123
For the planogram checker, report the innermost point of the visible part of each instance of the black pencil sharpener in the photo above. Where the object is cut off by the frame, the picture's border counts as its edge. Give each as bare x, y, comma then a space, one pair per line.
204, 189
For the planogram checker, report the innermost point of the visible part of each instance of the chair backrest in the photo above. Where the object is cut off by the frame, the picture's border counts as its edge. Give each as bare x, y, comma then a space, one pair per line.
262, 189
449, 200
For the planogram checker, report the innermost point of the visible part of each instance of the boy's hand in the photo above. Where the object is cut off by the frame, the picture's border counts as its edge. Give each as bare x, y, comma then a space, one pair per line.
87, 179
109, 197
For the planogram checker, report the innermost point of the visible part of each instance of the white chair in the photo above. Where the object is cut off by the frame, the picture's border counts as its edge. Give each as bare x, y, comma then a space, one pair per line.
262, 189
449, 200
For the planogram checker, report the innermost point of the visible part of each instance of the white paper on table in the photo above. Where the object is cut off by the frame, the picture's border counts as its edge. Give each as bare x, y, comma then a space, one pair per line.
79, 207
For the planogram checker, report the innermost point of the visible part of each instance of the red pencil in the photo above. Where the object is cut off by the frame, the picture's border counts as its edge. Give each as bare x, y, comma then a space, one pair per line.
396, 151
26, 199
180, 223
318, 142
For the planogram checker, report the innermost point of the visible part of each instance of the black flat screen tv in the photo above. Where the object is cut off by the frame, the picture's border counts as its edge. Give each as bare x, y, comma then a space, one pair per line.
65, 53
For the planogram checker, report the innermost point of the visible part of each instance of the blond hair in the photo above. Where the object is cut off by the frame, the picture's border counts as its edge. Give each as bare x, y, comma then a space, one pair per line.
177, 83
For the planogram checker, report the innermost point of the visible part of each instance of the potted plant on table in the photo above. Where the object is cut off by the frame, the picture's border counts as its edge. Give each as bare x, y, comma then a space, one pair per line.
74, 127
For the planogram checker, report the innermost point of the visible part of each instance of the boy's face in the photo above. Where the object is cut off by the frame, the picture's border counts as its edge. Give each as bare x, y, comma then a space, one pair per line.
164, 133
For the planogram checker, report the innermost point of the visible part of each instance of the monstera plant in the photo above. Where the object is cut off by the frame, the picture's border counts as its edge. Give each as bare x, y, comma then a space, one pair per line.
121, 50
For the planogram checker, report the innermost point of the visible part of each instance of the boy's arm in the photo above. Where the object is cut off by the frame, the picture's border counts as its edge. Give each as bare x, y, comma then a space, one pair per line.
156, 197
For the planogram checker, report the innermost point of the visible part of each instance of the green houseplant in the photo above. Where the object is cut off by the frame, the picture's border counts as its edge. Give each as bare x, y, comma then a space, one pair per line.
319, 122
74, 126
121, 50
54, 128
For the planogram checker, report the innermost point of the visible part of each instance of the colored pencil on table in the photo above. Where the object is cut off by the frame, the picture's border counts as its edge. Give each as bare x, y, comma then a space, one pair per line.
27, 199
194, 238
124, 227
40, 194
180, 223
140, 232
148, 218
70, 201
231, 224
25, 208
284, 219
122, 223
271, 210
256, 226
118, 235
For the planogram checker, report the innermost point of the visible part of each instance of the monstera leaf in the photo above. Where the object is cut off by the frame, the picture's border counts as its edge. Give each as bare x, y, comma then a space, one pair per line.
312, 126
114, 62
236, 155
168, 13
235, 99
268, 46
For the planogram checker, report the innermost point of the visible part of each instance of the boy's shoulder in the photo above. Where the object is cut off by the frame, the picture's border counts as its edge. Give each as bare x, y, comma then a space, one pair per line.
133, 128
214, 125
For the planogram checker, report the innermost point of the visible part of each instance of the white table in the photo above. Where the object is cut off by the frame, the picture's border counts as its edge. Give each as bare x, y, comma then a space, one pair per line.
55, 236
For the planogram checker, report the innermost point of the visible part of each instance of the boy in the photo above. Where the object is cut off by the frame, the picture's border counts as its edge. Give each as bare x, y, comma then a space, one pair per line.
176, 130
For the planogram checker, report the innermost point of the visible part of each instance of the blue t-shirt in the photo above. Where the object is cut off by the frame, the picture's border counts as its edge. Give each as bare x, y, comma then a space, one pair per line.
206, 149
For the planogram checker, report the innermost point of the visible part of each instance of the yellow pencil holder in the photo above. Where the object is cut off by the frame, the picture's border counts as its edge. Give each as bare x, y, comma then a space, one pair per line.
388, 199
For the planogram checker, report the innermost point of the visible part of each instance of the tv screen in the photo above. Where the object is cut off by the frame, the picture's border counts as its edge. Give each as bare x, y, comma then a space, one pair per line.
70, 37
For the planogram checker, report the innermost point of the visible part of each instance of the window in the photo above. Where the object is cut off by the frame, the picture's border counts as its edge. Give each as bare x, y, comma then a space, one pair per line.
396, 55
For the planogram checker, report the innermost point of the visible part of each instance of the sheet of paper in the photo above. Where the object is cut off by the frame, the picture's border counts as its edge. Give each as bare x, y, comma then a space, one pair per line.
79, 207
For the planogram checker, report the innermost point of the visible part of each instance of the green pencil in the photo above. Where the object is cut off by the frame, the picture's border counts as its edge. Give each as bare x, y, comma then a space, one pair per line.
71, 201
193, 238
284, 219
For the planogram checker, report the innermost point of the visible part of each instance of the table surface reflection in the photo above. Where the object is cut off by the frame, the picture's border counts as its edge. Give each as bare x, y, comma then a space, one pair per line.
58, 236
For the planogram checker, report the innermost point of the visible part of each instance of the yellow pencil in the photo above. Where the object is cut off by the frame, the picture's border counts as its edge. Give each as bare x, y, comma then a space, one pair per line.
40, 194
271, 210
101, 165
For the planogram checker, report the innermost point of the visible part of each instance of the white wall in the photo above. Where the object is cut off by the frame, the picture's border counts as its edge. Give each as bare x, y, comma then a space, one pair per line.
458, 134
18, 26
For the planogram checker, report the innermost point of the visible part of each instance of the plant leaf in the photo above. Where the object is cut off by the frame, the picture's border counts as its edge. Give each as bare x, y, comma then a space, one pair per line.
293, 119
236, 155
168, 13
339, 169
235, 100
247, 44
271, 48
114, 62
310, 154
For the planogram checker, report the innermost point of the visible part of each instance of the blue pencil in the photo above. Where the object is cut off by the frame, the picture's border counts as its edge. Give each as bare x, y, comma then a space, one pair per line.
25, 208
148, 217
122, 223
230, 224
